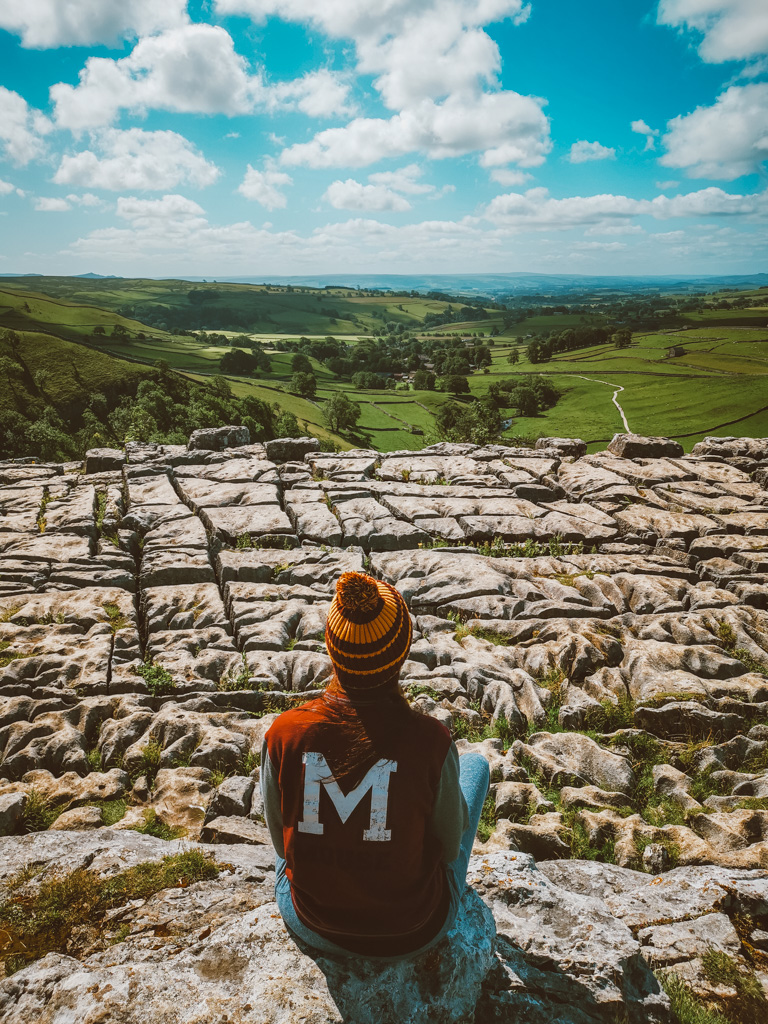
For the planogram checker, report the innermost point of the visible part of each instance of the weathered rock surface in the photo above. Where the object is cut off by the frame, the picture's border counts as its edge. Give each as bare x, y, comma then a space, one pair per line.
605, 616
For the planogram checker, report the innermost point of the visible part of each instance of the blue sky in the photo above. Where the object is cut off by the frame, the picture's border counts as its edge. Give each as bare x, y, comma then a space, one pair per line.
273, 137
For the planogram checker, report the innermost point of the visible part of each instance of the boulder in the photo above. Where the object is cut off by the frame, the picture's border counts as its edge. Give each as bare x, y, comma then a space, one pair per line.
573, 759
291, 449
235, 830
635, 446
180, 797
12, 812
78, 819
667, 944
216, 439
103, 460
232, 797
573, 446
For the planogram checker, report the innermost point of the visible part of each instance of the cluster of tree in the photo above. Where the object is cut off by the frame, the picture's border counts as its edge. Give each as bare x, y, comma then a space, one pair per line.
528, 397
478, 422
365, 381
58, 417
244, 364
424, 380
455, 316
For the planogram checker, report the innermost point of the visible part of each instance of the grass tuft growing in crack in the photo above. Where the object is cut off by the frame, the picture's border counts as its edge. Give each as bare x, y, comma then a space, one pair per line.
41, 917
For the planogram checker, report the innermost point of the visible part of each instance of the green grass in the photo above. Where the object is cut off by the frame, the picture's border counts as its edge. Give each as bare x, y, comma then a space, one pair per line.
41, 917
686, 1006
720, 378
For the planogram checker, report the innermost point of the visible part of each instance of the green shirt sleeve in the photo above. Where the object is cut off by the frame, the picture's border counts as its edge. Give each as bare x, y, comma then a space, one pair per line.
450, 816
270, 795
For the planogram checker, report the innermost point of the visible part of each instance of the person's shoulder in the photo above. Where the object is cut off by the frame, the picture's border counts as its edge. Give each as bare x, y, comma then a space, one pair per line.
295, 720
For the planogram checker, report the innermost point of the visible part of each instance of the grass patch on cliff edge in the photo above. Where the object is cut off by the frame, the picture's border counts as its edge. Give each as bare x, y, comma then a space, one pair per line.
41, 917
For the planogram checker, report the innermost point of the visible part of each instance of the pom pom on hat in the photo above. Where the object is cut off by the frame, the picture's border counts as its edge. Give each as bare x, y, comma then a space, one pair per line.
356, 592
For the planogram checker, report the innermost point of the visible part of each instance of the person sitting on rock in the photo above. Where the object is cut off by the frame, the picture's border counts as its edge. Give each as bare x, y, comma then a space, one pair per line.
371, 811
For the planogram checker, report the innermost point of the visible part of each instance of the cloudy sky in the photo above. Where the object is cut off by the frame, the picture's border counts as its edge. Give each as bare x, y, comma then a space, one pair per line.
258, 137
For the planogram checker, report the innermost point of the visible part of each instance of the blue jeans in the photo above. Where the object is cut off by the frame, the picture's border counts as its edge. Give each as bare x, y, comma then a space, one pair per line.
474, 779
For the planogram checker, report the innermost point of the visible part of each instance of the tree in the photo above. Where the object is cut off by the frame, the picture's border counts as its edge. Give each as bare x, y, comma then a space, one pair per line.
524, 399
304, 385
622, 338
340, 413
456, 384
301, 364
513, 357
98, 329
240, 363
287, 425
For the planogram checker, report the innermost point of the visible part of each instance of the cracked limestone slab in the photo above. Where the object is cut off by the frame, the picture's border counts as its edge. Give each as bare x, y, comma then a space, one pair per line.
190, 606
259, 521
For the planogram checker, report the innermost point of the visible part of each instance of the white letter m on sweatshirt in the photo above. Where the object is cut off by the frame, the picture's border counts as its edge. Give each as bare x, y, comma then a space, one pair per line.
317, 773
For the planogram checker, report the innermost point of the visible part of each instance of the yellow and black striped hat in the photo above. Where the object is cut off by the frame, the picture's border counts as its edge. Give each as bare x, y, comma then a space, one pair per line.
368, 632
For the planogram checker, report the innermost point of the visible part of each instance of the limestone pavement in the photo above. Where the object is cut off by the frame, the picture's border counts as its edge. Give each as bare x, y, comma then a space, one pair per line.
596, 625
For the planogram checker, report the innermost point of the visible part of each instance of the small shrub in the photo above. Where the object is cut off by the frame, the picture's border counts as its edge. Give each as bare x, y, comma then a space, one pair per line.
422, 689
94, 759
726, 637
152, 826
39, 813
721, 969
149, 763
613, 717
487, 824
686, 1007
115, 617
159, 680
240, 680
750, 663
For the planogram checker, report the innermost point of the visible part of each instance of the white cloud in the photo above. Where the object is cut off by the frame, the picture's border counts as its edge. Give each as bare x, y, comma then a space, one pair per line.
726, 140
641, 128
50, 204
264, 187
418, 50
601, 246
320, 93
135, 159
353, 195
404, 179
664, 186
21, 128
193, 70
509, 127
506, 176
582, 151
87, 199
6, 188
537, 209
48, 23
172, 213
172, 235
434, 66
732, 29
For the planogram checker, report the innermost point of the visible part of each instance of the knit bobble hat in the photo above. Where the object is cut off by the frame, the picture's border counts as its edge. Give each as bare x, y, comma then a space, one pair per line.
368, 632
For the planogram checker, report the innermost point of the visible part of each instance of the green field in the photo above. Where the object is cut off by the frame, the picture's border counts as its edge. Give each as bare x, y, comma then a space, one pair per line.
717, 384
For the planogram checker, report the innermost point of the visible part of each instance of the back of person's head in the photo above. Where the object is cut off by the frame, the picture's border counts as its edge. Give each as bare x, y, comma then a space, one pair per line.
368, 635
